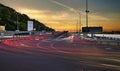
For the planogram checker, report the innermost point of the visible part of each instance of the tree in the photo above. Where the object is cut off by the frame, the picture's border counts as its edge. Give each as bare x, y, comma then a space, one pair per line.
12, 18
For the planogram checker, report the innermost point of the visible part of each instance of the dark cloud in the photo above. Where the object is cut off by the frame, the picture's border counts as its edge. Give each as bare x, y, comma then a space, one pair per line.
94, 5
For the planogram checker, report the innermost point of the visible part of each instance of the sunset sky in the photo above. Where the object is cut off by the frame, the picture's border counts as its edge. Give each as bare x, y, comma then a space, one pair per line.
63, 14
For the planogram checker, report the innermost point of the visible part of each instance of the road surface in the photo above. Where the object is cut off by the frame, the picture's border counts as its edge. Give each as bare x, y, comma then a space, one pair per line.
41, 53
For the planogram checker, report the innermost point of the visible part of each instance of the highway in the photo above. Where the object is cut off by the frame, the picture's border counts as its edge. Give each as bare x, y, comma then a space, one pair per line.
41, 53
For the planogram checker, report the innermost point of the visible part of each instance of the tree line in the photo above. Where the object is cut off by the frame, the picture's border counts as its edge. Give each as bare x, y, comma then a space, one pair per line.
11, 18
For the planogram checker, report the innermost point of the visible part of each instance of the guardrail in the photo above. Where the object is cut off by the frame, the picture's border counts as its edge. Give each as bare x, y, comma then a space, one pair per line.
108, 40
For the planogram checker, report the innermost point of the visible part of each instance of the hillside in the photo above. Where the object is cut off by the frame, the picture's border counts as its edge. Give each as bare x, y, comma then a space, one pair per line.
9, 17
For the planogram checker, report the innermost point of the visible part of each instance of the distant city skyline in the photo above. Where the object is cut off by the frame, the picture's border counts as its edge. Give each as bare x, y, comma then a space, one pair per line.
63, 14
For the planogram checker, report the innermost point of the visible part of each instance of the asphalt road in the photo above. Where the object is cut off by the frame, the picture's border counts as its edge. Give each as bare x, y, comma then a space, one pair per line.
40, 53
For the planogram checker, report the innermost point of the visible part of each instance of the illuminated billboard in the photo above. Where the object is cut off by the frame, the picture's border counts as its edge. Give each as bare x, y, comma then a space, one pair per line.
30, 26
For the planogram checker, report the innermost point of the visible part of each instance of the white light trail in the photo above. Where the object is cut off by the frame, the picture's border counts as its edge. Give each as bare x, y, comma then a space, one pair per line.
65, 6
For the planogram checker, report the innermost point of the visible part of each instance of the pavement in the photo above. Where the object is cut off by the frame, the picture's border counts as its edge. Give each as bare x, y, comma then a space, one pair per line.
41, 53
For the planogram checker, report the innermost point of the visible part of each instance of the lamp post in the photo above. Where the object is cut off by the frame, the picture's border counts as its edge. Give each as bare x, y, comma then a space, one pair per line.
87, 12
80, 21
77, 23
17, 22
85, 34
78, 26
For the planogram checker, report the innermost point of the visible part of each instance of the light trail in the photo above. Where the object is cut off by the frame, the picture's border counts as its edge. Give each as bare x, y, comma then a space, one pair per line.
66, 6
77, 12
89, 55
63, 5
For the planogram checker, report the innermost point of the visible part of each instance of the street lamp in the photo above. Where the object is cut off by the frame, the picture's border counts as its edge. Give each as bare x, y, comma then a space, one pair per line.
87, 11
17, 21
78, 25
80, 21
